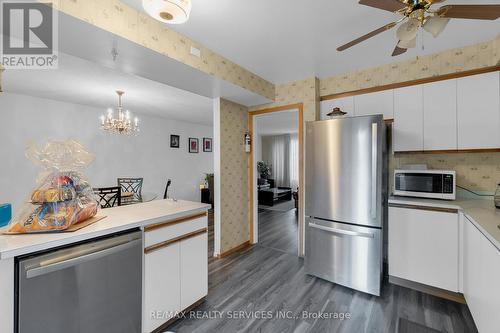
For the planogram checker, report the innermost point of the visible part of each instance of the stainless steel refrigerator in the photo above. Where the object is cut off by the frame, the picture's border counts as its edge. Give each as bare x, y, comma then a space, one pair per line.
344, 201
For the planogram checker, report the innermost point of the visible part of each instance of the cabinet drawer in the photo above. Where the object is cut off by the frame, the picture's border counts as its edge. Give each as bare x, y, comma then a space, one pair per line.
164, 231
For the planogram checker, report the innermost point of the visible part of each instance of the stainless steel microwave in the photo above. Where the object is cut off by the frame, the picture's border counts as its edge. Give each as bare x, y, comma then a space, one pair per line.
434, 184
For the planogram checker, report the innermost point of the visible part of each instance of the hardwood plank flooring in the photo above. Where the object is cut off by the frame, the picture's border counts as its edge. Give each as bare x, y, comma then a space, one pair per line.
270, 277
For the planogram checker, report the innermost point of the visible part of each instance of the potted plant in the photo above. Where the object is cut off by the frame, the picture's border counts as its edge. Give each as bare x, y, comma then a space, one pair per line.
209, 182
264, 170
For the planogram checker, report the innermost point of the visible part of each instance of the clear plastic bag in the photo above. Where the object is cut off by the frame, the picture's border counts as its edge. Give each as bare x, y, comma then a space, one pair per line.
63, 196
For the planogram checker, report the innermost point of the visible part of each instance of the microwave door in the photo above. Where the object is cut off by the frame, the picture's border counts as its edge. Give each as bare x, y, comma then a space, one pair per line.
343, 170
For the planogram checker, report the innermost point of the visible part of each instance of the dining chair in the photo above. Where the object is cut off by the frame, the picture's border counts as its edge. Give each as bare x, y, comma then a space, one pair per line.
131, 185
109, 196
165, 195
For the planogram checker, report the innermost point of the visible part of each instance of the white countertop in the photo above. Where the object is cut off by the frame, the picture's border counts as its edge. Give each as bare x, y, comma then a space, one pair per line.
481, 212
117, 219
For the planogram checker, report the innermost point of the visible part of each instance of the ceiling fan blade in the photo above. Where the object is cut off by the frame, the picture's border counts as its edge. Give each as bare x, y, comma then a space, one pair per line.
389, 5
398, 51
476, 12
367, 36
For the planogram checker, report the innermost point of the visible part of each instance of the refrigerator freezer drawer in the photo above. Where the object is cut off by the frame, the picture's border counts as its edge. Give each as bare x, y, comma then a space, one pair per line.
344, 254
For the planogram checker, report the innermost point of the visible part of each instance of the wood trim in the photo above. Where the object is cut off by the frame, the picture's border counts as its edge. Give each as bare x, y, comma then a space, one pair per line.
412, 82
166, 243
240, 247
250, 167
438, 292
277, 109
175, 221
164, 326
300, 108
422, 207
451, 151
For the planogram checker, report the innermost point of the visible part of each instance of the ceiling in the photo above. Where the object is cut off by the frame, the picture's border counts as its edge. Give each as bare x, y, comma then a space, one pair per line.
277, 123
83, 82
286, 40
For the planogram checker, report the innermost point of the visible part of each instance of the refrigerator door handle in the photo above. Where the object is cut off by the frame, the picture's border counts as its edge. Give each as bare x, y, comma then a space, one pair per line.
374, 171
341, 231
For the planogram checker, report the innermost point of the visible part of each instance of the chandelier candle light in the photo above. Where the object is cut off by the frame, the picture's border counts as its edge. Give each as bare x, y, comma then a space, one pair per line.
121, 125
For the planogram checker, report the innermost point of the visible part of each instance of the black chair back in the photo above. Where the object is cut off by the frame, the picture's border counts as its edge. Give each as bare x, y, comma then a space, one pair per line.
109, 196
165, 195
131, 185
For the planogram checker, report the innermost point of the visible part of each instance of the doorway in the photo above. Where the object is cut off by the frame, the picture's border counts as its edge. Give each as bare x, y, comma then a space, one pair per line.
276, 178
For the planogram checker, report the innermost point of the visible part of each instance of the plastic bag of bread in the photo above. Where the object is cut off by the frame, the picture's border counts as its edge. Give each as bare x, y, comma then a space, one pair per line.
63, 196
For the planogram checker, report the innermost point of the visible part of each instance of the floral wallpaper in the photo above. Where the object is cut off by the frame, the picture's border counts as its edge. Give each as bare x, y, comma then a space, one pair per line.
451, 61
303, 91
475, 171
234, 175
126, 22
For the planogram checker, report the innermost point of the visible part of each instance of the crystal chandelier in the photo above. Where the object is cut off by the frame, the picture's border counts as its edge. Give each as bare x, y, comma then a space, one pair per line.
121, 125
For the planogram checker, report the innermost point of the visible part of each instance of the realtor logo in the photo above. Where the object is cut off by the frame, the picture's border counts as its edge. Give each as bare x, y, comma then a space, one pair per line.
28, 35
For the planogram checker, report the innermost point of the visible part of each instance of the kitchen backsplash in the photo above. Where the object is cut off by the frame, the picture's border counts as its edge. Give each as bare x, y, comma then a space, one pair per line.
475, 171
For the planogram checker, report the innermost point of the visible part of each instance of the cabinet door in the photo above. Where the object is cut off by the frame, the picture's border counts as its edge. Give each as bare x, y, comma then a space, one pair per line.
194, 270
161, 286
478, 110
381, 102
423, 247
440, 115
346, 104
481, 276
408, 128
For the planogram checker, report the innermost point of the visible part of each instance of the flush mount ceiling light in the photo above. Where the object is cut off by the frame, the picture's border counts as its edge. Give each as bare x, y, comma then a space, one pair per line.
168, 11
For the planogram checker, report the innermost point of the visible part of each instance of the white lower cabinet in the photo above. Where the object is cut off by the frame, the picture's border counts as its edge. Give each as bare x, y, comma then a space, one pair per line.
423, 247
175, 268
194, 268
481, 279
162, 286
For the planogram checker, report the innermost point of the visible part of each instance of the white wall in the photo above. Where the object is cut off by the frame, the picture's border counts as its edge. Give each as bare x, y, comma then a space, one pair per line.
148, 155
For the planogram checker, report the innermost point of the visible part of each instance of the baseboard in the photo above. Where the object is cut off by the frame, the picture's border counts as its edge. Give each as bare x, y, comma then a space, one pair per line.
438, 292
164, 326
240, 247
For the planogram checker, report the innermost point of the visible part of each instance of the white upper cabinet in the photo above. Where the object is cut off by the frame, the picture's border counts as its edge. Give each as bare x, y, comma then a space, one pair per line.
408, 127
440, 115
381, 102
478, 110
346, 104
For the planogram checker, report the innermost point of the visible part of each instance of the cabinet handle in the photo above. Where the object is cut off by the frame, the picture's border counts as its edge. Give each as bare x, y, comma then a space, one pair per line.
175, 221
169, 242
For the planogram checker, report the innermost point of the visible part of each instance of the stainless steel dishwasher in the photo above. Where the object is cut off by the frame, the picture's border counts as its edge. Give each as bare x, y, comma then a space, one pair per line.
91, 287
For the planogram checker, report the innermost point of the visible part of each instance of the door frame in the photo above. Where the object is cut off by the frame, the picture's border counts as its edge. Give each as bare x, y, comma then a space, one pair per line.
252, 203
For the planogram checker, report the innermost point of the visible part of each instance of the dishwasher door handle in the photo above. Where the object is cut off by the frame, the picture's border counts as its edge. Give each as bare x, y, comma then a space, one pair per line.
63, 262
342, 231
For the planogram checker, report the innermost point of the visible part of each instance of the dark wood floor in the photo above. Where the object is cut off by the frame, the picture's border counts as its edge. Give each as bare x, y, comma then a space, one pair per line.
270, 277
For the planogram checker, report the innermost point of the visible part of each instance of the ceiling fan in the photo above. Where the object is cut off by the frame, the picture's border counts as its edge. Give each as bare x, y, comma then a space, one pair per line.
418, 14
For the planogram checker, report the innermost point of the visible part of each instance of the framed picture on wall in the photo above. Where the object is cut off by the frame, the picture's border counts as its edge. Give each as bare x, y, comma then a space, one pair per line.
175, 141
193, 145
207, 145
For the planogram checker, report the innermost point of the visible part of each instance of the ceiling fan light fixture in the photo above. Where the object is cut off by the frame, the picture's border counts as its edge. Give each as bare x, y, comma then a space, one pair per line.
408, 44
408, 30
435, 25
168, 11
